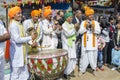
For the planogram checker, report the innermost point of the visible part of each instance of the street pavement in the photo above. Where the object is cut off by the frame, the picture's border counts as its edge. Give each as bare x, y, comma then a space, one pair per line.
107, 74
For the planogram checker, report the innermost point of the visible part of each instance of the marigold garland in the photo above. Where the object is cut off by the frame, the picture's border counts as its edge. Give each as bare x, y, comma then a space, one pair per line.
93, 35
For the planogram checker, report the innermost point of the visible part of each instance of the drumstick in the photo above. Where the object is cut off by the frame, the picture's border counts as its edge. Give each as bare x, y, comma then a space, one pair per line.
43, 46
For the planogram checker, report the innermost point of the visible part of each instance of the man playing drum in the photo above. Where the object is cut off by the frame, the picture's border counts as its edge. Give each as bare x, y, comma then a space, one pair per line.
34, 23
50, 39
18, 40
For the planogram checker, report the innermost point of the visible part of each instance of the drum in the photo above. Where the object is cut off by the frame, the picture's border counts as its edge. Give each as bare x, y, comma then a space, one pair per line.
48, 64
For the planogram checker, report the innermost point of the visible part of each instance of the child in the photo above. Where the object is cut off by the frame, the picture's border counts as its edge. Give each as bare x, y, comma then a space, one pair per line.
101, 45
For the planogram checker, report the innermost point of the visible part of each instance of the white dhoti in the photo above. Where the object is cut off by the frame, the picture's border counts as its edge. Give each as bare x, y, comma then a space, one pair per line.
1, 67
19, 73
89, 47
70, 66
88, 57
68, 37
71, 59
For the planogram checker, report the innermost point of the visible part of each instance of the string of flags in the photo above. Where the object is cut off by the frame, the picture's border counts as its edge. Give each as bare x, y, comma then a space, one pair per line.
11, 3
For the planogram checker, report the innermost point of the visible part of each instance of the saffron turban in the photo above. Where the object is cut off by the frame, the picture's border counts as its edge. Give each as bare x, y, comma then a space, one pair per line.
47, 11
88, 11
35, 13
68, 14
13, 11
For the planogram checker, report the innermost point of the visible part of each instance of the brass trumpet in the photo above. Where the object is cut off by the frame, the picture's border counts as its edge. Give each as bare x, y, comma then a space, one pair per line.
31, 30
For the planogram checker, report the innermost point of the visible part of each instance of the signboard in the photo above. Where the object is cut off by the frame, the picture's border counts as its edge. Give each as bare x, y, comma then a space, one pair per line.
100, 2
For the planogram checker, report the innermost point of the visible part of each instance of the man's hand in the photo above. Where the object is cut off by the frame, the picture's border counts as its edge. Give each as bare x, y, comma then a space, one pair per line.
77, 26
54, 27
60, 27
92, 29
34, 44
4, 37
34, 35
116, 48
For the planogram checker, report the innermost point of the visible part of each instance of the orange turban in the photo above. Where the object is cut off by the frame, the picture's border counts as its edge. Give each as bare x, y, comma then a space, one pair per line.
13, 11
47, 11
35, 13
88, 11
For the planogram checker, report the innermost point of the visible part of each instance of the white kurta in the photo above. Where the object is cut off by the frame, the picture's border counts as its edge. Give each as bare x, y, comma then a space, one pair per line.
2, 48
89, 53
29, 23
50, 39
71, 50
19, 70
2, 44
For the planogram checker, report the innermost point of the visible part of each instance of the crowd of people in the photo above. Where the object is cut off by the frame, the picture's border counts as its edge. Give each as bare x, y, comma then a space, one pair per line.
87, 40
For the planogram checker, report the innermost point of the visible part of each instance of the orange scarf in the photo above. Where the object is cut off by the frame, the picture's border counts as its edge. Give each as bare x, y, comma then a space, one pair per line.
7, 50
93, 35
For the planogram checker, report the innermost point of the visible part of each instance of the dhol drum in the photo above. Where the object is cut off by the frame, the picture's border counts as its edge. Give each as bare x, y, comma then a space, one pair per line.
48, 64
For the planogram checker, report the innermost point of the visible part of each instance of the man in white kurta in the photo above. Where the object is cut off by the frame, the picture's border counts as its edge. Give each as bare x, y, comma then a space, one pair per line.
68, 43
50, 39
18, 59
33, 22
3, 36
89, 28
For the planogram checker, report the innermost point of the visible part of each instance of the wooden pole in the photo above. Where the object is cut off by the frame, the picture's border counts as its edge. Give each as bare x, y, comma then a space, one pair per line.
7, 17
72, 5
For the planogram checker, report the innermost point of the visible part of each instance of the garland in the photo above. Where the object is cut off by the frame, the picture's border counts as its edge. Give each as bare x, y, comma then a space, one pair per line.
85, 35
29, 2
